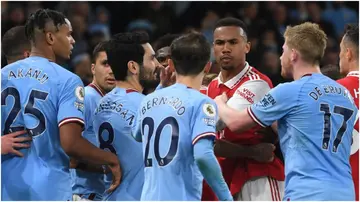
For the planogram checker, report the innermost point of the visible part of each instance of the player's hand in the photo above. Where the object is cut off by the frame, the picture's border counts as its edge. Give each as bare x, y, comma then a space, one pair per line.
116, 175
263, 152
268, 135
11, 142
167, 77
221, 99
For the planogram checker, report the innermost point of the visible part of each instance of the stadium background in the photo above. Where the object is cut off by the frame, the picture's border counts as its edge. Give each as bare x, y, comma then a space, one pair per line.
96, 21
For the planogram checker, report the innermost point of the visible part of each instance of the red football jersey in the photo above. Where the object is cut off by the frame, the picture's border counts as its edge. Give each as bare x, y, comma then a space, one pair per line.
203, 90
351, 82
247, 87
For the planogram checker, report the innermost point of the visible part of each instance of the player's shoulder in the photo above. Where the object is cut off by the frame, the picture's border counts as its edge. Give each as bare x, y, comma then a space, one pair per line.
92, 95
127, 97
255, 76
197, 98
349, 82
290, 89
213, 83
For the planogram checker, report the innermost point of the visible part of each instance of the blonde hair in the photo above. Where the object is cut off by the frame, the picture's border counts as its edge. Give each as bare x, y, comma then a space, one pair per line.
308, 39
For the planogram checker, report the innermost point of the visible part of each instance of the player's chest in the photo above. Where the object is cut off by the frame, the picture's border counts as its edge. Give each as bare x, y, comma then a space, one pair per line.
218, 90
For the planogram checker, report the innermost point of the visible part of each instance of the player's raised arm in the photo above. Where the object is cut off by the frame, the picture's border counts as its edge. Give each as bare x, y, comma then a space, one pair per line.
70, 118
203, 136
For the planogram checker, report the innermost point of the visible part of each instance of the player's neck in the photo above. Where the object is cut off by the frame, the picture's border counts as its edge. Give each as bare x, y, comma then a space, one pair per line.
129, 84
226, 75
353, 66
45, 54
301, 70
190, 81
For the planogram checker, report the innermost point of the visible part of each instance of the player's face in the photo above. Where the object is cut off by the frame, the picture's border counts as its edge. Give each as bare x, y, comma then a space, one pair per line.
102, 73
286, 66
147, 72
343, 63
64, 41
163, 56
230, 47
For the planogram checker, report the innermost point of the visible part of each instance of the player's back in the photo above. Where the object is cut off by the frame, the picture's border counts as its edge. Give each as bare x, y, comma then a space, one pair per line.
167, 117
315, 138
89, 182
33, 96
114, 119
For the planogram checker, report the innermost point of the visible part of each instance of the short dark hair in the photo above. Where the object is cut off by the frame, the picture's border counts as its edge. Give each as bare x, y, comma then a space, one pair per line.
132, 37
230, 21
39, 19
331, 71
121, 49
100, 47
190, 53
352, 35
164, 41
14, 42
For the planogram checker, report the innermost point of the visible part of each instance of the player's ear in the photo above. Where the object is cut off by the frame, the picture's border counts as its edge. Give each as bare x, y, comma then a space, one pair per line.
133, 67
207, 67
349, 54
26, 54
247, 47
50, 38
294, 55
93, 69
171, 65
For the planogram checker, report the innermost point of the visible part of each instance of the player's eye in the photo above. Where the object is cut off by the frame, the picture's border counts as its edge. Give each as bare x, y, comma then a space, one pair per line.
218, 42
233, 42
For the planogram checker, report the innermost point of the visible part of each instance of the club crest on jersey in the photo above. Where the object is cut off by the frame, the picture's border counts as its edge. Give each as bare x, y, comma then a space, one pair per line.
80, 93
209, 110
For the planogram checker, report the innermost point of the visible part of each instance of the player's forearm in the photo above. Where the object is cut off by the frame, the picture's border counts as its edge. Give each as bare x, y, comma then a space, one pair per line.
79, 148
210, 169
236, 121
89, 167
83, 150
227, 149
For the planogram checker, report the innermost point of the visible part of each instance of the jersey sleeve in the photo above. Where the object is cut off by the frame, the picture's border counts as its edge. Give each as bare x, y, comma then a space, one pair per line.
248, 93
276, 104
71, 103
136, 129
88, 108
204, 120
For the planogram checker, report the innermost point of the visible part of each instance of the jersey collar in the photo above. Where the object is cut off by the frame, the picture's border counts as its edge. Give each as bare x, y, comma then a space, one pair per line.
233, 81
97, 88
353, 73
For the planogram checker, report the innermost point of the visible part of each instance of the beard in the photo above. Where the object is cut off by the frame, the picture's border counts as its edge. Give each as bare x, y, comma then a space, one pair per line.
147, 81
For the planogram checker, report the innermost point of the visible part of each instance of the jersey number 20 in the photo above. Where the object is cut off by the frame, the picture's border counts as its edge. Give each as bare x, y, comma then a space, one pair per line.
162, 161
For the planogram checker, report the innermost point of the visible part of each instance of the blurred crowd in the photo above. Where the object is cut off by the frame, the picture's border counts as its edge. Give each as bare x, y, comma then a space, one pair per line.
96, 21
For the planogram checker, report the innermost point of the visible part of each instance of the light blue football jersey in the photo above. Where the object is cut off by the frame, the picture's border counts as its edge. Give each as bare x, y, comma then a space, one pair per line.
87, 182
170, 122
41, 96
114, 120
315, 121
